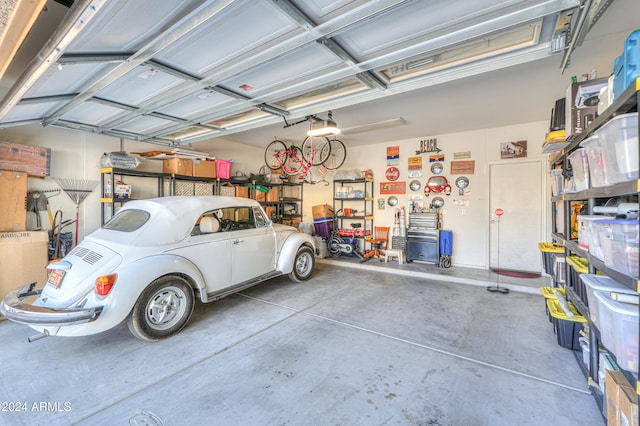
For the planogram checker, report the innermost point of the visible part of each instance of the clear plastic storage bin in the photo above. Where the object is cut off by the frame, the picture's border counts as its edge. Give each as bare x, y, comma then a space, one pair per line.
619, 330
585, 229
618, 241
593, 283
595, 158
580, 167
556, 181
619, 143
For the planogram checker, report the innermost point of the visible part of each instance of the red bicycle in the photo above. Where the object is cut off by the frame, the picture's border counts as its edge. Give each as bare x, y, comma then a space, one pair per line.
315, 152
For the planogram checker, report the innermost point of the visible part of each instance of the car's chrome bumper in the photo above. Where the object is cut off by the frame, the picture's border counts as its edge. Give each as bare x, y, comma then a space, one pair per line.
13, 307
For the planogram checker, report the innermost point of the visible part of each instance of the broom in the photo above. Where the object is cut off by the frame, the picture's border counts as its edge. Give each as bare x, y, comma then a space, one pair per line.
77, 190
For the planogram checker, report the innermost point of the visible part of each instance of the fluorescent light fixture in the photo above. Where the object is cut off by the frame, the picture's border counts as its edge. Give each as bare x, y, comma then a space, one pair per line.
393, 122
321, 128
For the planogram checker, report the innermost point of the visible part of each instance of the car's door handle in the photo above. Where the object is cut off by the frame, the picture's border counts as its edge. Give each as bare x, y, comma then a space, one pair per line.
238, 242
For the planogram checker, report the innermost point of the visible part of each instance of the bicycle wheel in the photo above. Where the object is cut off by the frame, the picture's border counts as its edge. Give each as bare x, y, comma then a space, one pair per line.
294, 165
275, 155
337, 153
313, 151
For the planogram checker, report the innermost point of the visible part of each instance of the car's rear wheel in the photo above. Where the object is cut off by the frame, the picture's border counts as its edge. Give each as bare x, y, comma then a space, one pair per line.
162, 309
302, 265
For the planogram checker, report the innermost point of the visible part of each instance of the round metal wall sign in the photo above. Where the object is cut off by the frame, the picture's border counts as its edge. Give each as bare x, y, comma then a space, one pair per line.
392, 173
415, 185
436, 168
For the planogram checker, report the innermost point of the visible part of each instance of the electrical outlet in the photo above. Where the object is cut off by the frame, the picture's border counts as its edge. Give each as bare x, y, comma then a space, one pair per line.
464, 212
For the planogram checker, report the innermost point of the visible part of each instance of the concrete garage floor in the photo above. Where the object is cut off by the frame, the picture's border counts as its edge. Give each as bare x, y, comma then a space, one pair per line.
348, 347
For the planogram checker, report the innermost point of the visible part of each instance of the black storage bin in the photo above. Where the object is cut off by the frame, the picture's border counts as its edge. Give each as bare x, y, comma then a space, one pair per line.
566, 329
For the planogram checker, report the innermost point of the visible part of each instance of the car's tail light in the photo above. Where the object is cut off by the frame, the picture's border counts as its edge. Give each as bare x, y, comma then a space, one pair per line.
49, 269
104, 284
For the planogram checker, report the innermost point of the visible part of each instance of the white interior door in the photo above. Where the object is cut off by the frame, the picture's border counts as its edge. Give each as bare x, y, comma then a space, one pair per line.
517, 189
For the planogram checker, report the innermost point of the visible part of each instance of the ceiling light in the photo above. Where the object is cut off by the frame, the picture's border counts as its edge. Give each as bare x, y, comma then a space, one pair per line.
321, 128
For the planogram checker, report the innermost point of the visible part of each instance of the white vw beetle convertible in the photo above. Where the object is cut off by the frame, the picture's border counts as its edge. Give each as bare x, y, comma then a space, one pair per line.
151, 261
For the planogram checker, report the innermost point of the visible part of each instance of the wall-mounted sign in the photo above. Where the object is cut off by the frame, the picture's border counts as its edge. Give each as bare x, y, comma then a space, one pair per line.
393, 187
428, 145
461, 155
433, 158
463, 167
392, 173
415, 167
393, 155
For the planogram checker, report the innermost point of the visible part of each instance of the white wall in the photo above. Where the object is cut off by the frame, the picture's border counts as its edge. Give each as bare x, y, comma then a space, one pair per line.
470, 224
77, 154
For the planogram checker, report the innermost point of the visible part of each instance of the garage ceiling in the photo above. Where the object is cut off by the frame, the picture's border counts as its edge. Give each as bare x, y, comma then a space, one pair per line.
180, 71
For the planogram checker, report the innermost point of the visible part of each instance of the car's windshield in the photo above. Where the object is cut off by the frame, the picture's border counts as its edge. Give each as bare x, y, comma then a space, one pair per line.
127, 220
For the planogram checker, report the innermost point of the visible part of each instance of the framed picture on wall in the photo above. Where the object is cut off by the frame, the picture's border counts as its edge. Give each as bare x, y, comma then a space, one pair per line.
513, 149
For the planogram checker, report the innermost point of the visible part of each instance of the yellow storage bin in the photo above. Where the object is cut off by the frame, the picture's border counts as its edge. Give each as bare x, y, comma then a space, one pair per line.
548, 250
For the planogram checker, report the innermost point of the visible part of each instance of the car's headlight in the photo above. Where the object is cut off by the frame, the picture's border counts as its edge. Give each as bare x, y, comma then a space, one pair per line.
104, 284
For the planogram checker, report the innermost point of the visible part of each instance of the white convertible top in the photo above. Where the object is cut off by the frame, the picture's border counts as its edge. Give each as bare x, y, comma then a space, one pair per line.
171, 218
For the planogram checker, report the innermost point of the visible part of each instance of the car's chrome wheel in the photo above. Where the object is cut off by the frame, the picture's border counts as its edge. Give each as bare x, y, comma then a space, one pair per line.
166, 308
302, 265
162, 309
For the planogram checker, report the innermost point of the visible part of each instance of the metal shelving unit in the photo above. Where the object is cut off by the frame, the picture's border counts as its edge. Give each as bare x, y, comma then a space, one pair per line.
628, 101
288, 194
366, 202
108, 177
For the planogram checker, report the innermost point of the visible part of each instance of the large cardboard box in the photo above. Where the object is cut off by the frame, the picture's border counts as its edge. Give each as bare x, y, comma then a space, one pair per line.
621, 400
204, 168
322, 211
582, 104
33, 160
242, 191
272, 195
178, 166
13, 196
23, 259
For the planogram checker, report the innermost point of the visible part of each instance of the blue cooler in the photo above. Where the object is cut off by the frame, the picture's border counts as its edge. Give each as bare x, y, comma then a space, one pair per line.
323, 226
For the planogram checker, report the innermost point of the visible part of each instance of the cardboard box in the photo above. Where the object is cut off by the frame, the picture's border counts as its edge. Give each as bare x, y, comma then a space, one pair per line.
628, 407
13, 196
322, 211
260, 196
582, 104
203, 188
33, 160
184, 188
23, 259
291, 222
204, 168
178, 166
272, 195
270, 211
227, 190
242, 191
621, 400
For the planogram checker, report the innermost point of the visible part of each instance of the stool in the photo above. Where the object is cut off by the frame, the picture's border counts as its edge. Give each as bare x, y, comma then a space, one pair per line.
394, 253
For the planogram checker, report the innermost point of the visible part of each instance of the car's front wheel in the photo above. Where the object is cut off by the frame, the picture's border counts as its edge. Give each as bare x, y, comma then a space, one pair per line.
162, 309
302, 265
